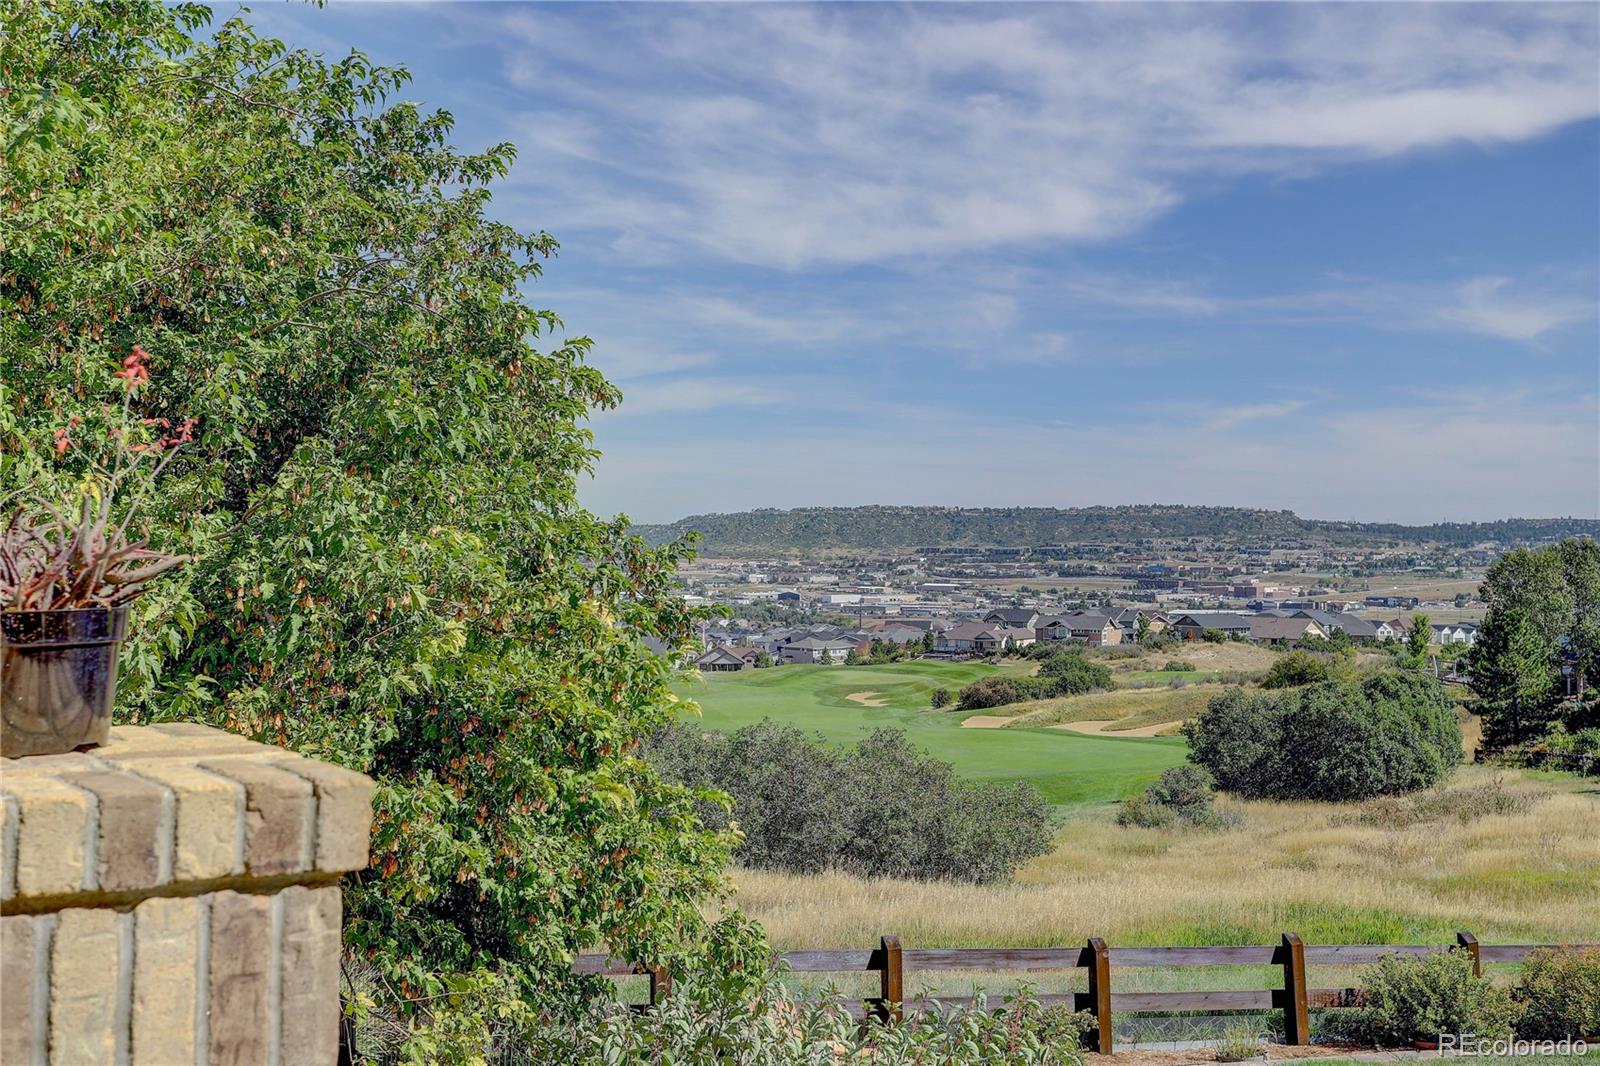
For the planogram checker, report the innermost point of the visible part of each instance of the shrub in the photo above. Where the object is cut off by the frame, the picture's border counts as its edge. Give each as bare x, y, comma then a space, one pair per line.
1143, 812
1411, 999
1385, 734
880, 809
1069, 673
1064, 673
940, 698
1559, 992
700, 1024
1182, 794
1295, 669
1178, 666
994, 692
1462, 805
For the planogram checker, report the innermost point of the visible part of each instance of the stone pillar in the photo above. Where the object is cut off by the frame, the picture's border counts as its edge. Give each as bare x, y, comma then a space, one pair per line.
172, 899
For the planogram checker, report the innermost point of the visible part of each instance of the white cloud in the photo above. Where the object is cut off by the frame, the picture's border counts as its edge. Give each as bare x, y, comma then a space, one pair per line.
794, 136
693, 395
1485, 306
1233, 417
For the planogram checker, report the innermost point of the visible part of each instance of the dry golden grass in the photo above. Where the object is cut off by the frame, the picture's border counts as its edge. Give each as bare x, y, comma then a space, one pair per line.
1148, 705
1230, 655
1312, 868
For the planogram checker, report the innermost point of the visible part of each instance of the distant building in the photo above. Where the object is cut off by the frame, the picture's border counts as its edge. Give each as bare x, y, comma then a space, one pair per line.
817, 650
1271, 628
1013, 617
727, 659
1455, 633
981, 638
1095, 628
1193, 626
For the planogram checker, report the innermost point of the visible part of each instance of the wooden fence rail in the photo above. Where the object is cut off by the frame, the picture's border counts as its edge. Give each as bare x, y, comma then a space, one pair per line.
890, 962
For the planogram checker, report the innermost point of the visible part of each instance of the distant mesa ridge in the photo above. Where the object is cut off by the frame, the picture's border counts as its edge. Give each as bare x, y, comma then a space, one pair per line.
887, 527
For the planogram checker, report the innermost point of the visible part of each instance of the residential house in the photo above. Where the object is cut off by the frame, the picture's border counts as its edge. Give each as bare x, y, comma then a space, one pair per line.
897, 634
1455, 633
981, 638
817, 650
1128, 619
1013, 617
1193, 626
726, 659
1390, 629
1272, 629
1094, 628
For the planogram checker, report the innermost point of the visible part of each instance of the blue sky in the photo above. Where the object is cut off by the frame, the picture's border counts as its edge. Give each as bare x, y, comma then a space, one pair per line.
1338, 259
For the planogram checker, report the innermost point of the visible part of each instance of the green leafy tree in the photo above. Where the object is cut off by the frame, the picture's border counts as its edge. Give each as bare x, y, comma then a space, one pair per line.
1418, 639
1297, 668
1388, 733
1512, 668
391, 570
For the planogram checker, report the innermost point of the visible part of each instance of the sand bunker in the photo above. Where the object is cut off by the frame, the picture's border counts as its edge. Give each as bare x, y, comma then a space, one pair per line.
868, 699
987, 721
1098, 727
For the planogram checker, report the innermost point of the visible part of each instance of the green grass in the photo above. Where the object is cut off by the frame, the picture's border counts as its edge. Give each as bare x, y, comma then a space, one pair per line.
1068, 768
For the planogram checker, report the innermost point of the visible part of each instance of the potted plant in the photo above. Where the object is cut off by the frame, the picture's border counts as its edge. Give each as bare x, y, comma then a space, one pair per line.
67, 576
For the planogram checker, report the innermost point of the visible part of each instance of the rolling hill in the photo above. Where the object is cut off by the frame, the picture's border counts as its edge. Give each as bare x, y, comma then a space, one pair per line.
811, 529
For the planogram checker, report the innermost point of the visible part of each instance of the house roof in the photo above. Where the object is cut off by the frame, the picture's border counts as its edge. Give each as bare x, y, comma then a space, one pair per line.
814, 644
978, 631
721, 655
1236, 622
1013, 616
1271, 627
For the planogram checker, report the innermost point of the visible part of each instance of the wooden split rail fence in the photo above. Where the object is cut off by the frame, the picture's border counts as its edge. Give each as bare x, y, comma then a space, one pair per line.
890, 962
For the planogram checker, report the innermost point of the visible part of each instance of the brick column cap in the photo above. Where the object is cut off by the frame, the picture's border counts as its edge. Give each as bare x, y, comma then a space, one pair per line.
171, 810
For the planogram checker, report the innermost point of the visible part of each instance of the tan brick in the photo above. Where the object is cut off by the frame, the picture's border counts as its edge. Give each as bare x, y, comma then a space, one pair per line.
166, 943
52, 816
175, 740
19, 946
84, 959
134, 834
239, 982
344, 813
310, 988
71, 762
208, 818
8, 847
278, 813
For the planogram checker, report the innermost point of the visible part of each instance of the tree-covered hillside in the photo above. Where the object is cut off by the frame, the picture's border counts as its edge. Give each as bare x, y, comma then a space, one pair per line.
825, 528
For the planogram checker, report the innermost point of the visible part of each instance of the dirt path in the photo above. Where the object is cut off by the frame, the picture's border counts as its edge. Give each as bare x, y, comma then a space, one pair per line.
987, 721
1098, 728
867, 699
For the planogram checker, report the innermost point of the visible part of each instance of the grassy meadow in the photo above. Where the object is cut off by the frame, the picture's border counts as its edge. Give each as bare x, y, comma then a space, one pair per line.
1512, 857
1068, 768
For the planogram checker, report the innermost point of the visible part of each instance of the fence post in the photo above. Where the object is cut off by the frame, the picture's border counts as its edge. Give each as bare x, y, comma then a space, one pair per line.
1098, 959
891, 980
660, 983
1296, 1010
1470, 943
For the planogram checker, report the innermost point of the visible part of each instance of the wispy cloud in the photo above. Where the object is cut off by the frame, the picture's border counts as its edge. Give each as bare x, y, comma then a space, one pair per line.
1492, 306
1233, 417
790, 136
